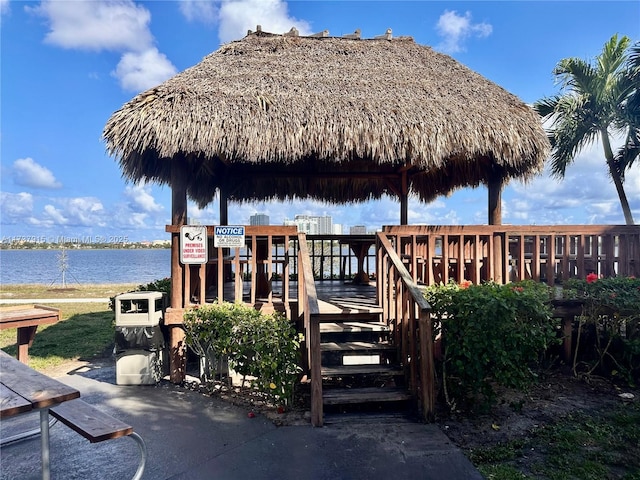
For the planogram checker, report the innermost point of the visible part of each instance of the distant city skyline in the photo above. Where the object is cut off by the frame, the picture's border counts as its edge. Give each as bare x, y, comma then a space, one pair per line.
259, 219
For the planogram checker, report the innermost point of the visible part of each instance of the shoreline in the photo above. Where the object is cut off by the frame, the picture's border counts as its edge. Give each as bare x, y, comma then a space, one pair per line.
27, 301
72, 293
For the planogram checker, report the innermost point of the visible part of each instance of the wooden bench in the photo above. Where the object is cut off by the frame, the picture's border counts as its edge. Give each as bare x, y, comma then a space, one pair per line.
97, 426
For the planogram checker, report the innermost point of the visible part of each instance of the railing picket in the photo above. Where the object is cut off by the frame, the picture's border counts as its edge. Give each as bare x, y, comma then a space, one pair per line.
565, 256
535, 258
254, 269
461, 258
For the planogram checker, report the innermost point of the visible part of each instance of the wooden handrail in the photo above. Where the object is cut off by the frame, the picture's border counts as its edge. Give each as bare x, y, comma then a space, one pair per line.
402, 301
310, 312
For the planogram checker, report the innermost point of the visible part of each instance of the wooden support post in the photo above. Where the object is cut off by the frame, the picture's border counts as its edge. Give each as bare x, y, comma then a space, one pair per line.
404, 199
177, 354
224, 207
317, 416
177, 349
495, 200
427, 369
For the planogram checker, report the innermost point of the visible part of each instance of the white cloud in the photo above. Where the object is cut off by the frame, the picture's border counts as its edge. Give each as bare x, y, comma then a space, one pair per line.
135, 220
455, 29
15, 207
52, 215
141, 200
97, 25
116, 25
199, 10
238, 16
28, 173
85, 211
4, 7
139, 71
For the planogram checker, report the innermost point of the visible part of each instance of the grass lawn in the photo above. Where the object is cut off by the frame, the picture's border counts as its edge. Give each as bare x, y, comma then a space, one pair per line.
601, 444
86, 330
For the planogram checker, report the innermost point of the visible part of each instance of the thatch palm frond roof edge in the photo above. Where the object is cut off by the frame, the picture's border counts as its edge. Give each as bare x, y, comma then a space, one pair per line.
379, 104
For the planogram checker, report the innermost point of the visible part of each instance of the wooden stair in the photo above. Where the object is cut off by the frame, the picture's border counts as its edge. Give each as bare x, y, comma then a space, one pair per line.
359, 362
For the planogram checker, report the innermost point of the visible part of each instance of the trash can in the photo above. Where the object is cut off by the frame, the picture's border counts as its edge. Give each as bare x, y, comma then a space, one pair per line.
140, 341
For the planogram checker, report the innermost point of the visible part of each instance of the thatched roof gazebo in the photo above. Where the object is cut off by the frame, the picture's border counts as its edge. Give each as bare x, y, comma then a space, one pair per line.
337, 119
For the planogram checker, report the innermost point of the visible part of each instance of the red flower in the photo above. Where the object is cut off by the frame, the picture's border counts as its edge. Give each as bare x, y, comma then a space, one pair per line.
465, 284
518, 289
592, 277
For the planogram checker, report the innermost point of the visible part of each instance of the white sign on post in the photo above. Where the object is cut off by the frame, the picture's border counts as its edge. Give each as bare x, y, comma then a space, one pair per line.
228, 236
193, 244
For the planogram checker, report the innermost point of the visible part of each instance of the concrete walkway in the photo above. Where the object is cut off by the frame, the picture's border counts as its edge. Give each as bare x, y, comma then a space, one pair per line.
192, 436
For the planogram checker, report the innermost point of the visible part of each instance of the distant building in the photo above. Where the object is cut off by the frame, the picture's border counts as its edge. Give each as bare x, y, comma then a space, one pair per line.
259, 219
337, 229
305, 223
312, 224
358, 230
325, 225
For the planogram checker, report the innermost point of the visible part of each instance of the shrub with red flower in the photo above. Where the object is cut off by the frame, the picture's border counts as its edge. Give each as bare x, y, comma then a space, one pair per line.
592, 277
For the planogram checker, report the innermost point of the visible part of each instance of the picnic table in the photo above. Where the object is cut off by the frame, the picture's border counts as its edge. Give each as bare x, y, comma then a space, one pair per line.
23, 390
26, 319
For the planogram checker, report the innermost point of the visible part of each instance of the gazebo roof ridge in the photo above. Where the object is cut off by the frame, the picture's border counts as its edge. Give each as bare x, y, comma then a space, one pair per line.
356, 35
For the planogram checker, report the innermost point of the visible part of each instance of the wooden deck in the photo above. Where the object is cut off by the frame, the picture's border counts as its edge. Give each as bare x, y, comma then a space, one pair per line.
335, 297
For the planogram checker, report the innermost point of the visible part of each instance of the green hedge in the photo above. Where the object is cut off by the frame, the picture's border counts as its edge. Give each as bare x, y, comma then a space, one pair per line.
492, 335
257, 345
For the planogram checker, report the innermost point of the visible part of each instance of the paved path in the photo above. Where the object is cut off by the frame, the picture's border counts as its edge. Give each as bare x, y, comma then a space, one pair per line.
193, 436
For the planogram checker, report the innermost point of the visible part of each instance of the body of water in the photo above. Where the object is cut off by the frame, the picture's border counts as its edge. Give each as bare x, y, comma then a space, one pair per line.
138, 266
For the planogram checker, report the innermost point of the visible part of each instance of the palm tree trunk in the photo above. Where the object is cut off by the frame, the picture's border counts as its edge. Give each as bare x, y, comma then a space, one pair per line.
615, 175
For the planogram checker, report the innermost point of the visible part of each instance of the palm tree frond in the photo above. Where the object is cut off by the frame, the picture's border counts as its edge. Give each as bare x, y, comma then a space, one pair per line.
546, 107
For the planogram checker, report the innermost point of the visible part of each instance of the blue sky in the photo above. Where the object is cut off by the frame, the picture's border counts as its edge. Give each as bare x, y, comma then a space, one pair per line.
66, 66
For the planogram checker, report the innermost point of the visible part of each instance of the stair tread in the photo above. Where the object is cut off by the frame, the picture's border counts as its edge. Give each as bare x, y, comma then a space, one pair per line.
336, 327
340, 370
349, 306
354, 346
344, 396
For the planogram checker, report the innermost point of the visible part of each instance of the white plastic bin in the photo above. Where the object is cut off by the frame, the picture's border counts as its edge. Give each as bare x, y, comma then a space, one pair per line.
139, 367
140, 309
140, 352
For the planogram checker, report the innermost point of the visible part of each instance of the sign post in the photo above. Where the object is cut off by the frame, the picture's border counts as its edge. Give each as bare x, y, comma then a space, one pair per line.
228, 236
193, 244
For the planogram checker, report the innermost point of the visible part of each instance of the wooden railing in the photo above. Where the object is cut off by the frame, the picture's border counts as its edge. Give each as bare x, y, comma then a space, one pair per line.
265, 257
309, 311
333, 256
409, 316
505, 253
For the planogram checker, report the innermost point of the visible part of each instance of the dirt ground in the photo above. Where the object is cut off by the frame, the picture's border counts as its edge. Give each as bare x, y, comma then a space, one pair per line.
519, 414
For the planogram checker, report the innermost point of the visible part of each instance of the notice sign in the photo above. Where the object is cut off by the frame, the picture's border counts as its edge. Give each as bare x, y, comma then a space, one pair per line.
193, 244
228, 236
